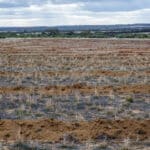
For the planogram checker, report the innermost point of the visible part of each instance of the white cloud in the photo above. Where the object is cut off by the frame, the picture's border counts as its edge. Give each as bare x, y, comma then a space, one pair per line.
51, 14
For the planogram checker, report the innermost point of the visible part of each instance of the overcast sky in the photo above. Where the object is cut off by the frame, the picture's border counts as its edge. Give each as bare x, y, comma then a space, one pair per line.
73, 12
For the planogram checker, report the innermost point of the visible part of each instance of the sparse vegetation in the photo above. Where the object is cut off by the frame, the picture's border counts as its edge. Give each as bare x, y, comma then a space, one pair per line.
95, 90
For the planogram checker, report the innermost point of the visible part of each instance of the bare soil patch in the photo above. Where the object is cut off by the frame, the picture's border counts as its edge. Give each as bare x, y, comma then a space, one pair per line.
53, 130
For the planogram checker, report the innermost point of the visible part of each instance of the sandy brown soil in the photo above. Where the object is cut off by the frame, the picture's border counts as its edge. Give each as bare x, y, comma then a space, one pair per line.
76, 73
82, 88
53, 130
59, 46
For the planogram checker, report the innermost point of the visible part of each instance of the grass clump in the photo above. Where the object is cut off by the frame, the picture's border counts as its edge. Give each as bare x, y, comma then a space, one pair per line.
129, 100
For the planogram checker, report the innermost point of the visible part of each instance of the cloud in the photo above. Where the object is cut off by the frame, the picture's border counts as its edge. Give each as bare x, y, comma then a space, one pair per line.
20, 3
117, 5
71, 12
108, 5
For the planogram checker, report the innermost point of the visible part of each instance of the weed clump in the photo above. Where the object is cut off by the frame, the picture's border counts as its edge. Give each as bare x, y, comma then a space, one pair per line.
129, 99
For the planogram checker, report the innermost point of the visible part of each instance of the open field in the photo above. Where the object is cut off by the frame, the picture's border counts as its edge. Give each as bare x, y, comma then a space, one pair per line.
74, 92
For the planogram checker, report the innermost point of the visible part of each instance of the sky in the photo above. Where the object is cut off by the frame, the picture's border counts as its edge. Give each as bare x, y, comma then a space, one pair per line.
73, 12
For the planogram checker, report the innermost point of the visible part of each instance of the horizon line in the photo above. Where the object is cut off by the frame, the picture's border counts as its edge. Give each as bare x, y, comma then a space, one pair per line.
75, 25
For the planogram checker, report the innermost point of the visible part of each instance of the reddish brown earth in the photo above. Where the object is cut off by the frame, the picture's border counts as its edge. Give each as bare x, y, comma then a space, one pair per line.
53, 130
82, 88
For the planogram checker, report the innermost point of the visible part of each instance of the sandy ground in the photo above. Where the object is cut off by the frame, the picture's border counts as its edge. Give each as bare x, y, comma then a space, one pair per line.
54, 131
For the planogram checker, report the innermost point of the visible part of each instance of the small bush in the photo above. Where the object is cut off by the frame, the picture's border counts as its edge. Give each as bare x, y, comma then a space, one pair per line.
129, 99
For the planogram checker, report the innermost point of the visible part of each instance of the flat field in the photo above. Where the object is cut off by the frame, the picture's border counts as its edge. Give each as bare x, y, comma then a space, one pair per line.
74, 93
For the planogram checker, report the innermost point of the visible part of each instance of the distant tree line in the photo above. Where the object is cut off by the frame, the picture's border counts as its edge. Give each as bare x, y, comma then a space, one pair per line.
52, 33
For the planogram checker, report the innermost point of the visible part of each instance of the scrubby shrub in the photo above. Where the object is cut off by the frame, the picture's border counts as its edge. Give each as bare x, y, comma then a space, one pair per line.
129, 99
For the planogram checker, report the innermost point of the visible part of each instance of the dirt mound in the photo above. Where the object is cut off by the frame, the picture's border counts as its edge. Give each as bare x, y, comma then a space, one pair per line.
55, 131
